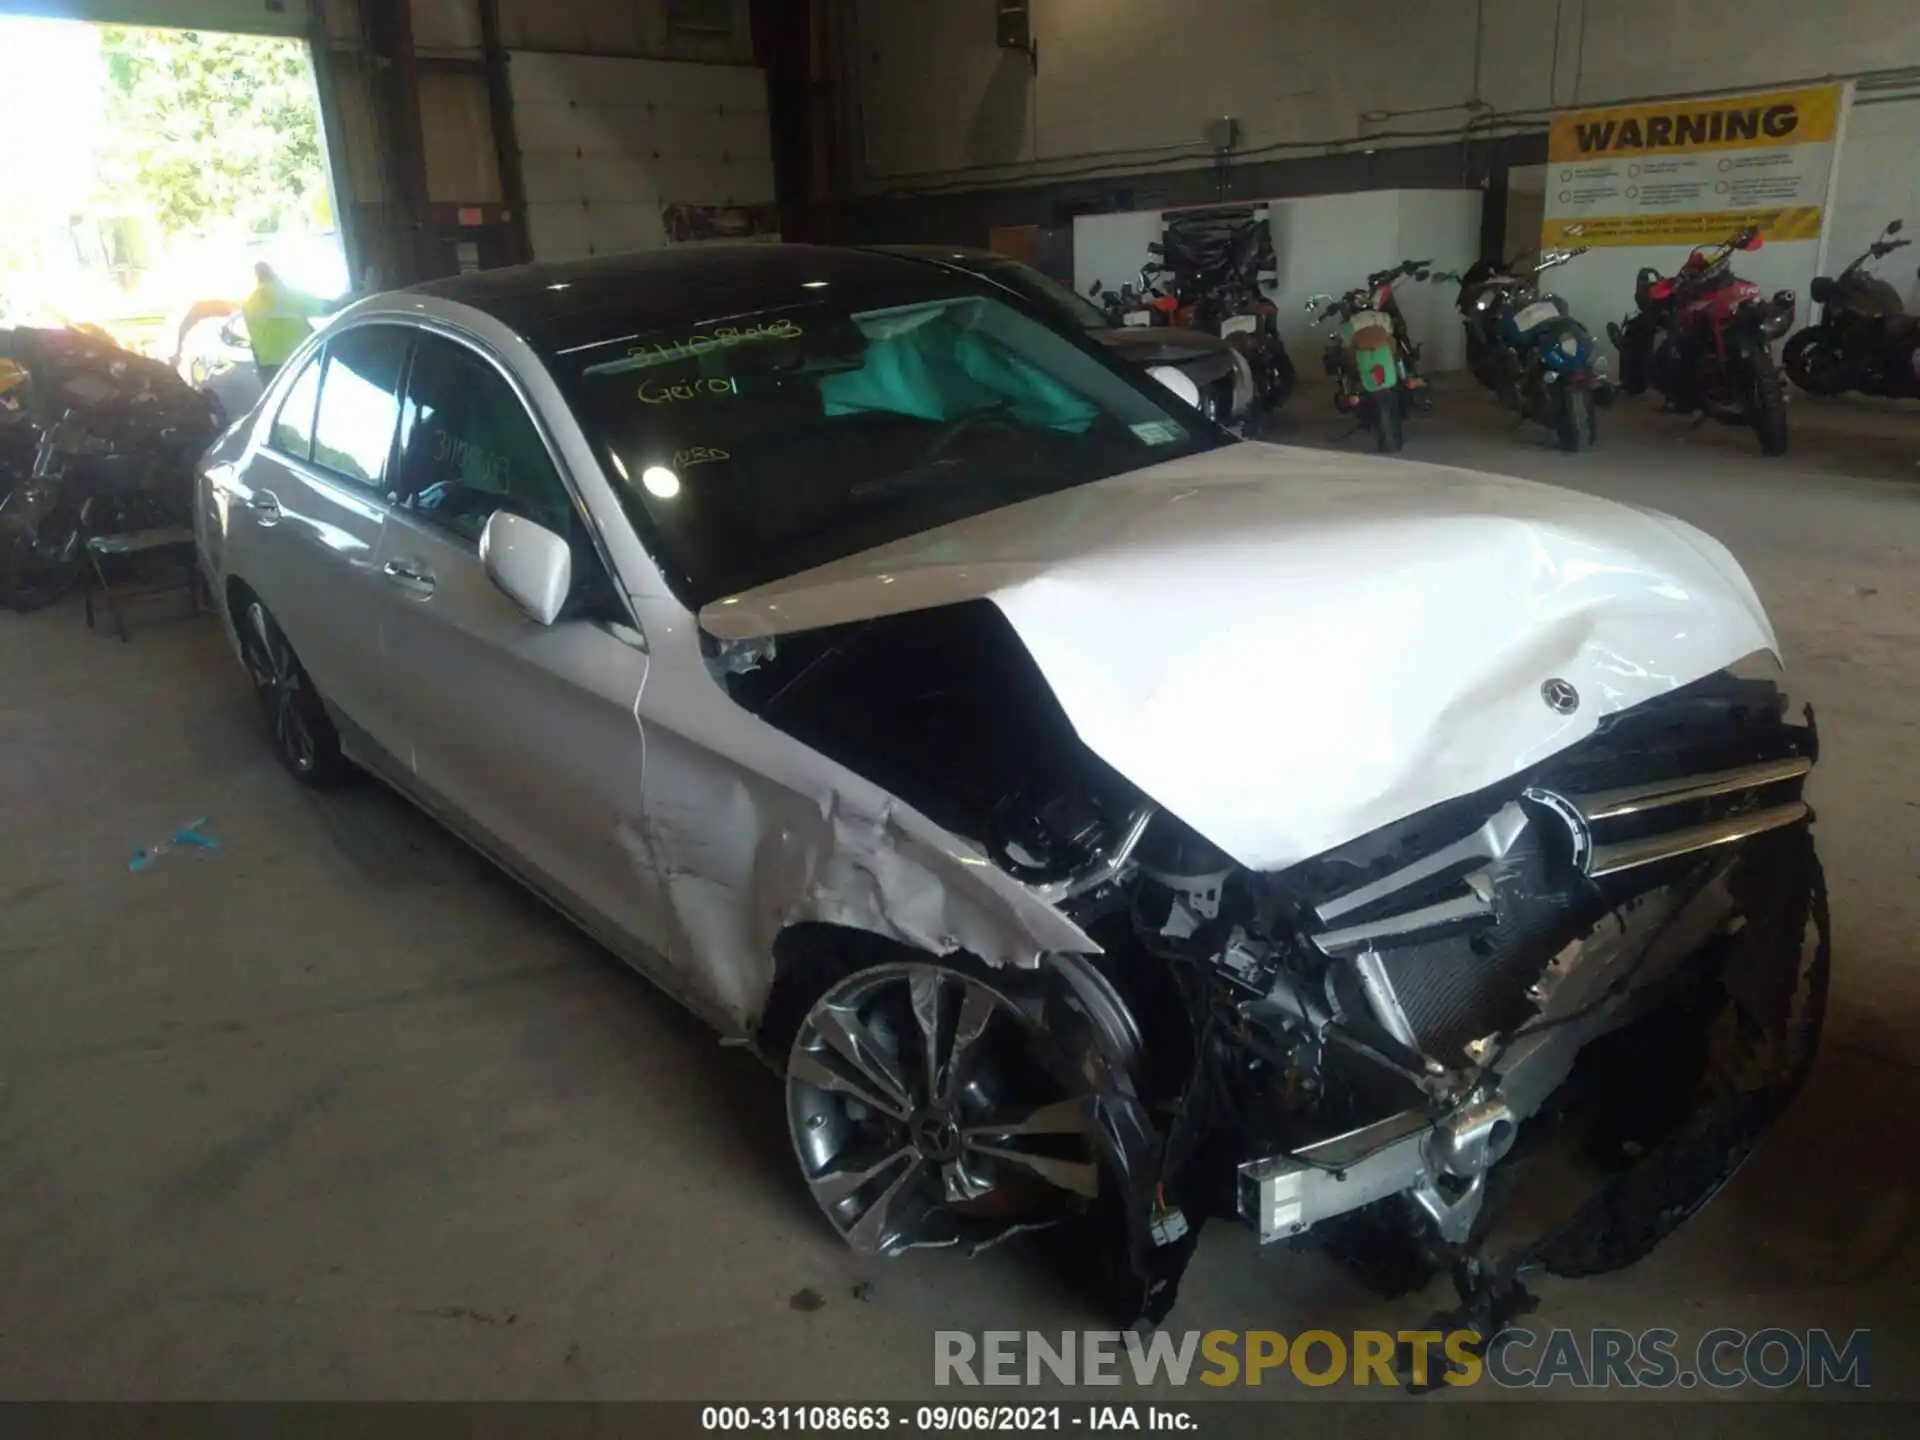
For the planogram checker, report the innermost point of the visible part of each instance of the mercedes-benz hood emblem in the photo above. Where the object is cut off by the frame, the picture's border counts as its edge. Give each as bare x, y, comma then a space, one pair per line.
1560, 696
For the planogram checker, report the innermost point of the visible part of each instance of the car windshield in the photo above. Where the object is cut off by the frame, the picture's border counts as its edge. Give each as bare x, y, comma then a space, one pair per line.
1047, 294
753, 448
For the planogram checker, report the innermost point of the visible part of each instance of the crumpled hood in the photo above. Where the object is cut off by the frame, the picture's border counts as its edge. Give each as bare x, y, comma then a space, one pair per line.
1289, 648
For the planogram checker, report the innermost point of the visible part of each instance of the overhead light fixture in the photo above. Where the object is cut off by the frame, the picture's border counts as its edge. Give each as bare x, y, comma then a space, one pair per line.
560, 285
813, 284
660, 482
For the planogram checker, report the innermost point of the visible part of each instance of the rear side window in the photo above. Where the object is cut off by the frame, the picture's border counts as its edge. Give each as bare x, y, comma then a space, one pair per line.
469, 448
360, 404
292, 432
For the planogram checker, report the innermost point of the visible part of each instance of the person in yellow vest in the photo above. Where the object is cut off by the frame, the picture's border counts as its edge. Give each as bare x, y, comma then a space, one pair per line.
277, 317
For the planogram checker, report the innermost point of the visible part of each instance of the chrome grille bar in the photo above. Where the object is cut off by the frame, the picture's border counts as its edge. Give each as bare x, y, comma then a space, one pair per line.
1633, 799
1626, 854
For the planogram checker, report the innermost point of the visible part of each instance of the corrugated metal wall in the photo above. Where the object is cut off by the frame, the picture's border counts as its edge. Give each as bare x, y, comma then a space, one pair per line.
607, 143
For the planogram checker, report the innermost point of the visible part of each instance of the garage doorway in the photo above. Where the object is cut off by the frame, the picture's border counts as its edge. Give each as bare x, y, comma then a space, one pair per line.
148, 170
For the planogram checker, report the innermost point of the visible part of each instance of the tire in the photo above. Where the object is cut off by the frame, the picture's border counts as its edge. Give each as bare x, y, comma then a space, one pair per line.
1389, 422
303, 733
1813, 364
1767, 402
1573, 418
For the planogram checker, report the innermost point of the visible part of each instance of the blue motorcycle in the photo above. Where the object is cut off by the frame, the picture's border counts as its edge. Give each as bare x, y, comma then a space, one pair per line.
1524, 346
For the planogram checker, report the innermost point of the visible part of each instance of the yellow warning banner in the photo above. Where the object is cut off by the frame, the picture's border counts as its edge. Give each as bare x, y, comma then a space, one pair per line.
1799, 222
1679, 127
1689, 172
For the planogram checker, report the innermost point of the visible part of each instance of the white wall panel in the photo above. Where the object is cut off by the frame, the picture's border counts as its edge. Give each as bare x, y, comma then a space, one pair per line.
1879, 181
606, 142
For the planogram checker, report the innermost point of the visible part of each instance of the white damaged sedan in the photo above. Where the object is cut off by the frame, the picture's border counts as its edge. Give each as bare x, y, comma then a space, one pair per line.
1104, 825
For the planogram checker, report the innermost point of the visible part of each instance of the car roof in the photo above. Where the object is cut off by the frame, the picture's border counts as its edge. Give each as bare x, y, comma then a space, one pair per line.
969, 256
557, 306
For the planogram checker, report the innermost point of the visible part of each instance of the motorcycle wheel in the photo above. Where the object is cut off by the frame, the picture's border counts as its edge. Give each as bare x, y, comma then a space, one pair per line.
1767, 404
1573, 418
37, 567
1389, 421
1813, 363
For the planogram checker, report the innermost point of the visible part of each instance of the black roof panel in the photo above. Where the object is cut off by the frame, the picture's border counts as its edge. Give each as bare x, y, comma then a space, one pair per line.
558, 306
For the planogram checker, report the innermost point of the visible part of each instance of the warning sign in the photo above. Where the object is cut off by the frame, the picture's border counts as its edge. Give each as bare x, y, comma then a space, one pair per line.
1691, 171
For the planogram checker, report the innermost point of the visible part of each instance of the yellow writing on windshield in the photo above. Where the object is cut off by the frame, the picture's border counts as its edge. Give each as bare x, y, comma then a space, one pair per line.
657, 392
721, 337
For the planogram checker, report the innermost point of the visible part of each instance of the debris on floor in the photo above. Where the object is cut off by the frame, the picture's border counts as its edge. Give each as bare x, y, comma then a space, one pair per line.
807, 1300
188, 836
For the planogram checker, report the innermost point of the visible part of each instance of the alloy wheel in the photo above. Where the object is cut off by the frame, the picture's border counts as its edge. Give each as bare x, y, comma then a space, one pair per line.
282, 686
924, 1111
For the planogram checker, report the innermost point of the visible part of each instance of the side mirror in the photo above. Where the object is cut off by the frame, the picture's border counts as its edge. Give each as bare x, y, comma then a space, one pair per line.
1894, 226
1094, 289
1421, 274
529, 562
1751, 240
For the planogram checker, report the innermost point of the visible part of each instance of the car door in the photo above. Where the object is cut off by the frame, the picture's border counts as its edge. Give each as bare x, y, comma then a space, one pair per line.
520, 732
314, 510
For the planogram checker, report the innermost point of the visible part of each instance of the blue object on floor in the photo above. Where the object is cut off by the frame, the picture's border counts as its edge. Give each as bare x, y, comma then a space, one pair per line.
189, 835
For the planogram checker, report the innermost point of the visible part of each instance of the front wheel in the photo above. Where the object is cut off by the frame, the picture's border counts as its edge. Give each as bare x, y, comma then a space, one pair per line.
1767, 403
1389, 421
1573, 418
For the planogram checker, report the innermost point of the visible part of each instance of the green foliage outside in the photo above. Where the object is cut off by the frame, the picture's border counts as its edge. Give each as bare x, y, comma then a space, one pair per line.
212, 131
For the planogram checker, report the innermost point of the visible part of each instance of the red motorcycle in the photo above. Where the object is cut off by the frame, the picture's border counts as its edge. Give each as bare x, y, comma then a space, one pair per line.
1703, 338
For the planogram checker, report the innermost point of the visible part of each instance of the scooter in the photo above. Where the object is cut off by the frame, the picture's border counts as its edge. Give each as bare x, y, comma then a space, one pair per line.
1371, 357
1525, 347
1864, 339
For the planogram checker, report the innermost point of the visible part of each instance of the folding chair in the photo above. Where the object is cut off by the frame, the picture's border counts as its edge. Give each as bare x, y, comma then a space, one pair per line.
173, 542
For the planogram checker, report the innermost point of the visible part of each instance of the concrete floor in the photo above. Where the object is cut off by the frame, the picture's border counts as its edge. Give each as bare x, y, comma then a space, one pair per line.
339, 1113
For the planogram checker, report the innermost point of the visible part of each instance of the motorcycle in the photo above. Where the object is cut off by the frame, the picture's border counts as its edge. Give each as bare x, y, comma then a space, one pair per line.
117, 436
1213, 262
1373, 360
1525, 347
1703, 338
1864, 339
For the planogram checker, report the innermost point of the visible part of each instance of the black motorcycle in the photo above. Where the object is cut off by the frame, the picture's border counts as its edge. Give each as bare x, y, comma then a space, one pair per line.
1864, 339
117, 437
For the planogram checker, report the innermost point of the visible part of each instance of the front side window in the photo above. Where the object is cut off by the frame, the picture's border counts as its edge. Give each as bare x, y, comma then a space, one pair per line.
469, 448
761, 446
292, 432
360, 403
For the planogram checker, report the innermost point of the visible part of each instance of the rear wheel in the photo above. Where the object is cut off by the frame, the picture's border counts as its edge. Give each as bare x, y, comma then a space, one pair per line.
303, 733
1767, 403
1813, 363
1389, 421
1573, 418
39, 561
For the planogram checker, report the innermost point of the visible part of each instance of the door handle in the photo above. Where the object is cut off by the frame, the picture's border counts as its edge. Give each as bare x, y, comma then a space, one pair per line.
410, 575
265, 507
